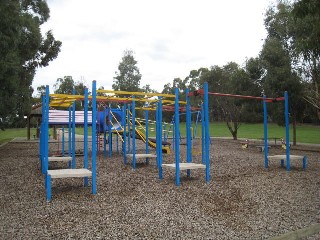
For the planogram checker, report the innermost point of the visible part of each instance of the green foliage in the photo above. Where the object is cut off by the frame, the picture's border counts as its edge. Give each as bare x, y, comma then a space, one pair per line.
128, 78
22, 50
277, 58
64, 85
67, 85
306, 14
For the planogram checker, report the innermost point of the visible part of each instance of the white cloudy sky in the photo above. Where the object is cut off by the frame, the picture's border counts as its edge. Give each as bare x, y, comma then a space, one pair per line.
169, 37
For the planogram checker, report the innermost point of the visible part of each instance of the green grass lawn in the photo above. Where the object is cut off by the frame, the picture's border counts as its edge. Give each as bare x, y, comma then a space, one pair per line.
9, 134
305, 133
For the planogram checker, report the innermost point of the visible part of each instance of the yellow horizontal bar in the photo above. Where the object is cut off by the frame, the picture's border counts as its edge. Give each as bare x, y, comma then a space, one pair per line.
60, 105
67, 97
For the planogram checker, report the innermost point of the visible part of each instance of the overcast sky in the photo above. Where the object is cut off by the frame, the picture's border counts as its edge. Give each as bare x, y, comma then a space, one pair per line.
169, 38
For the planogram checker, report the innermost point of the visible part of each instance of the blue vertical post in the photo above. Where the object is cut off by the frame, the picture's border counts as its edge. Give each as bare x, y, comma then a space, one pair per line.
48, 187
157, 133
286, 112
73, 163
188, 131
134, 134
42, 134
104, 132
85, 143
69, 133
206, 116
62, 140
129, 129
203, 136
177, 145
124, 124
46, 145
94, 144
110, 131
146, 112
160, 137
265, 131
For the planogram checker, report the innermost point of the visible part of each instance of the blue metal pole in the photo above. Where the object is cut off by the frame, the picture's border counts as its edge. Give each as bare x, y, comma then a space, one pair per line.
124, 124
157, 133
177, 145
134, 134
160, 137
203, 136
85, 116
42, 134
206, 116
94, 144
69, 133
129, 129
265, 131
104, 132
146, 112
286, 108
73, 163
188, 131
46, 145
110, 132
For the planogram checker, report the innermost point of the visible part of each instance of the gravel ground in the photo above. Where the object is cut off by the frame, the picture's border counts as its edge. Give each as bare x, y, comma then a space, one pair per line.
242, 201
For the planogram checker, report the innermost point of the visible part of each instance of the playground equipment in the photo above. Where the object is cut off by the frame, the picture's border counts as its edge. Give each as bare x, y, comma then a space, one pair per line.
120, 122
72, 171
127, 127
266, 100
189, 165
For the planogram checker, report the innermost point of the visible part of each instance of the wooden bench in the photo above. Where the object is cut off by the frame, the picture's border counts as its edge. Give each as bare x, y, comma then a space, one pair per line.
292, 157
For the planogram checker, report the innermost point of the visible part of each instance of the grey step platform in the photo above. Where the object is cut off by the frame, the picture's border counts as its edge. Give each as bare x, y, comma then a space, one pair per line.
280, 157
185, 166
59, 159
143, 155
292, 157
69, 173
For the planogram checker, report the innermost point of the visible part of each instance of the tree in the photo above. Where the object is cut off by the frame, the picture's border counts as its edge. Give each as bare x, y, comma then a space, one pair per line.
278, 57
66, 85
22, 50
306, 35
41, 90
128, 78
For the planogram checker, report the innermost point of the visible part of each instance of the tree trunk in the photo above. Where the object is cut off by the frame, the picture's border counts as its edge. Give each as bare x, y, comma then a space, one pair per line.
233, 131
316, 86
294, 130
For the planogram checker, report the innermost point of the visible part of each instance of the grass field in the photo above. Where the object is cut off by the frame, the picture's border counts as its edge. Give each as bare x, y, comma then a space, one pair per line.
305, 133
9, 134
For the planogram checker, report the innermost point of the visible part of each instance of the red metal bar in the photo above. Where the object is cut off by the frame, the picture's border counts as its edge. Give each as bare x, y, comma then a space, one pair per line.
200, 92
